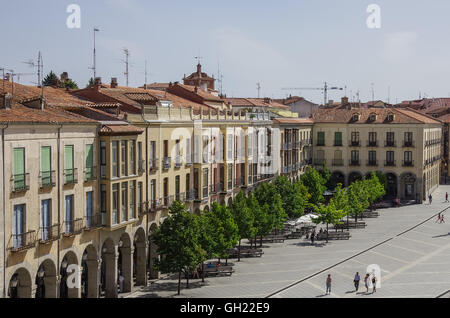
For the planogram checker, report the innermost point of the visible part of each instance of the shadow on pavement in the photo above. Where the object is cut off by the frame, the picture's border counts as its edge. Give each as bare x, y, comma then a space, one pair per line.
448, 234
309, 244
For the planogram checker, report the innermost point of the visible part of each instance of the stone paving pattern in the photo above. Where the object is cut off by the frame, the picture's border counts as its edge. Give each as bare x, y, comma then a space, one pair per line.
414, 264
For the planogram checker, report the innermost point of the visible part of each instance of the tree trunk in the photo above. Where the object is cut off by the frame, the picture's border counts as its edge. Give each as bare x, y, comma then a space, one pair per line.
327, 232
203, 272
239, 251
260, 241
226, 261
187, 279
348, 229
179, 282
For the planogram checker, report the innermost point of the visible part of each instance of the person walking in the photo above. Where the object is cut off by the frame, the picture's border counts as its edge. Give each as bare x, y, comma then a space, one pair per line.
446, 196
439, 218
374, 283
328, 284
442, 219
430, 198
356, 281
313, 236
366, 282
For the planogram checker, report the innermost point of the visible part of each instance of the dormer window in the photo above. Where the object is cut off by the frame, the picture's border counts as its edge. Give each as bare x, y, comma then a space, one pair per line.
355, 117
390, 117
373, 117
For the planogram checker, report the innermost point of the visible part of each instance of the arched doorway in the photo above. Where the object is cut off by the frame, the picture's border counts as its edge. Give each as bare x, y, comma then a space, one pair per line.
391, 188
46, 280
139, 259
108, 277
20, 284
336, 177
67, 285
206, 209
354, 176
152, 254
125, 264
197, 211
89, 273
230, 202
408, 185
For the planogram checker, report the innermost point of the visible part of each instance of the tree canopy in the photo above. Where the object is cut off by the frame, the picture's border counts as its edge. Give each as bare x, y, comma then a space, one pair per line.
315, 184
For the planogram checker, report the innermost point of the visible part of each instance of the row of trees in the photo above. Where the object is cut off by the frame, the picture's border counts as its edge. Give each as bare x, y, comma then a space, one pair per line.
186, 240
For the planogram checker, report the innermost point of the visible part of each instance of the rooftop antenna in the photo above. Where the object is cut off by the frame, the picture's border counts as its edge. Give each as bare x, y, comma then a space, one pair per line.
3, 78
94, 67
258, 87
389, 94
373, 92
198, 58
145, 84
127, 54
219, 78
39, 66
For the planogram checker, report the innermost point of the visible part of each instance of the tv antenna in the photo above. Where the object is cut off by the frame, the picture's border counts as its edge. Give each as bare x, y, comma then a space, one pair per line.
258, 87
198, 59
40, 67
94, 67
324, 89
127, 54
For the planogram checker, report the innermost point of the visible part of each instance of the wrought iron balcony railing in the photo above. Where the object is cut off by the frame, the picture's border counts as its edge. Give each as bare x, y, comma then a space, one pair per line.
338, 162
90, 173
372, 163
73, 227
47, 179
389, 163
372, 143
93, 221
20, 182
49, 233
23, 241
71, 176
153, 164
408, 163
167, 163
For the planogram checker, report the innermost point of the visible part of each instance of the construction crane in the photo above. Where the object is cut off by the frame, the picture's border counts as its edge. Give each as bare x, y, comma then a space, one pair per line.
324, 89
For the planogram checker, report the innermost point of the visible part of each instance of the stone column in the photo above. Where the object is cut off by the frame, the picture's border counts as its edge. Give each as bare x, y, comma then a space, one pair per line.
127, 268
154, 274
111, 275
141, 268
51, 287
92, 278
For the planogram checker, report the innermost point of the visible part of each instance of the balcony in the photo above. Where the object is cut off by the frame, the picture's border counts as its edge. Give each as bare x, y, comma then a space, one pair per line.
153, 164
90, 174
230, 185
338, 162
141, 167
180, 196
338, 143
190, 195
154, 205
372, 163
93, 222
49, 234
287, 146
47, 179
287, 169
23, 241
297, 145
20, 182
408, 163
167, 163
70, 176
355, 143
143, 208
319, 162
241, 181
408, 143
205, 192
73, 227
178, 162
389, 163
307, 142
168, 200
320, 144
372, 143
354, 162
390, 143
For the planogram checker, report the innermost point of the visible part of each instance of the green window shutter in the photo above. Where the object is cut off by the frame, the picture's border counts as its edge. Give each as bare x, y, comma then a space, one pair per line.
338, 138
68, 167
46, 159
89, 161
19, 168
321, 138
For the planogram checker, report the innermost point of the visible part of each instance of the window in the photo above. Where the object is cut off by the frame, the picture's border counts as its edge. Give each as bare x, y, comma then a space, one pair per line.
46, 166
188, 182
178, 152
372, 139
69, 170
89, 208
177, 188
124, 158
103, 159
18, 225
408, 139
115, 203
19, 169
408, 156
133, 157
153, 192
372, 157
390, 139
390, 117
133, 199
139, 196
115, 159
206, 151
373, 117
355, 117
390, 157
338, 138
69, 214
46, 219
124, 202
230, 176
230, 147
355, 156
166, 191
103, 203
188, 151
152, 155
89, 162
205, 182
355, 138
320, 138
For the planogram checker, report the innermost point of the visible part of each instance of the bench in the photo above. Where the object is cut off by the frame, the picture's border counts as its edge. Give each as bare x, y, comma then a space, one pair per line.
274, 239
334, 236
247, 252
215, 271
295, 235
370, 214
351, 224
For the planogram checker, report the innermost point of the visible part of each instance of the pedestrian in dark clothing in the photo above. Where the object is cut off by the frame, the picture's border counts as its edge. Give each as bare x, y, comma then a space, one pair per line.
374, 283
356, 281
313, 234
328, 285
430, 198
446, 196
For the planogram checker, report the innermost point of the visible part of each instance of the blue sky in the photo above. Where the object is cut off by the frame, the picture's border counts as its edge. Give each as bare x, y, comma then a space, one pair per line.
277, 43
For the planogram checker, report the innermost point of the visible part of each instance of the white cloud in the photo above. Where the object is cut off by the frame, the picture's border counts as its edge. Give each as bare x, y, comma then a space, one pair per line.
399, 46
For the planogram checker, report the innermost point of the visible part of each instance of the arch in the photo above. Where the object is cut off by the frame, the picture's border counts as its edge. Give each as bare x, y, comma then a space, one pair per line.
89, 272
152, 253
335, 178
392, 183
408, 186
206, 209
354, 176
108, 277
197, 211
20, 284
230, 202
125, 263
69, 258
46, 280
139, 257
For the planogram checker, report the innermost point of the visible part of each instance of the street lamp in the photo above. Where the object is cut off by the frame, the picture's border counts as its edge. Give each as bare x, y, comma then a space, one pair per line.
120, 243
14, 281
41, 272
64, 263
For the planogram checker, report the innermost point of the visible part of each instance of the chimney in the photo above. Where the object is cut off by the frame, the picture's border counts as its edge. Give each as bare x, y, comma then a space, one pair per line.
5, 101
267, 100
199, 68
97, 81
344, 100
64, 76
113, 82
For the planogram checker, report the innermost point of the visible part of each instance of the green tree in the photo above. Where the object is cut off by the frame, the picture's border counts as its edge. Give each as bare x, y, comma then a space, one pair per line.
358, 198
90, 83
325, 173
50, 79
260, 217
376, 189
226, 234
206, 237
340, 200
70, 84
328, 214
315, 184
244, 219
178, 240
293, 195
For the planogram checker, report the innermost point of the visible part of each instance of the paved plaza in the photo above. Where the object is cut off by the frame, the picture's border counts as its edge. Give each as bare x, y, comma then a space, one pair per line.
412, 250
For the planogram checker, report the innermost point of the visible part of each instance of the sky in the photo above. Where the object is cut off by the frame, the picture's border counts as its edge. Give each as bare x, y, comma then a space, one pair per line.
279, 44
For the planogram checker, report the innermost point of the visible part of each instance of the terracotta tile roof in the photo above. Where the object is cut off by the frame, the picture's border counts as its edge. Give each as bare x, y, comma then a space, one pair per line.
401, 116
255, 102
160, 86
53, 96
120, 130
192, 89
304, 121
445, 118
50, 115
